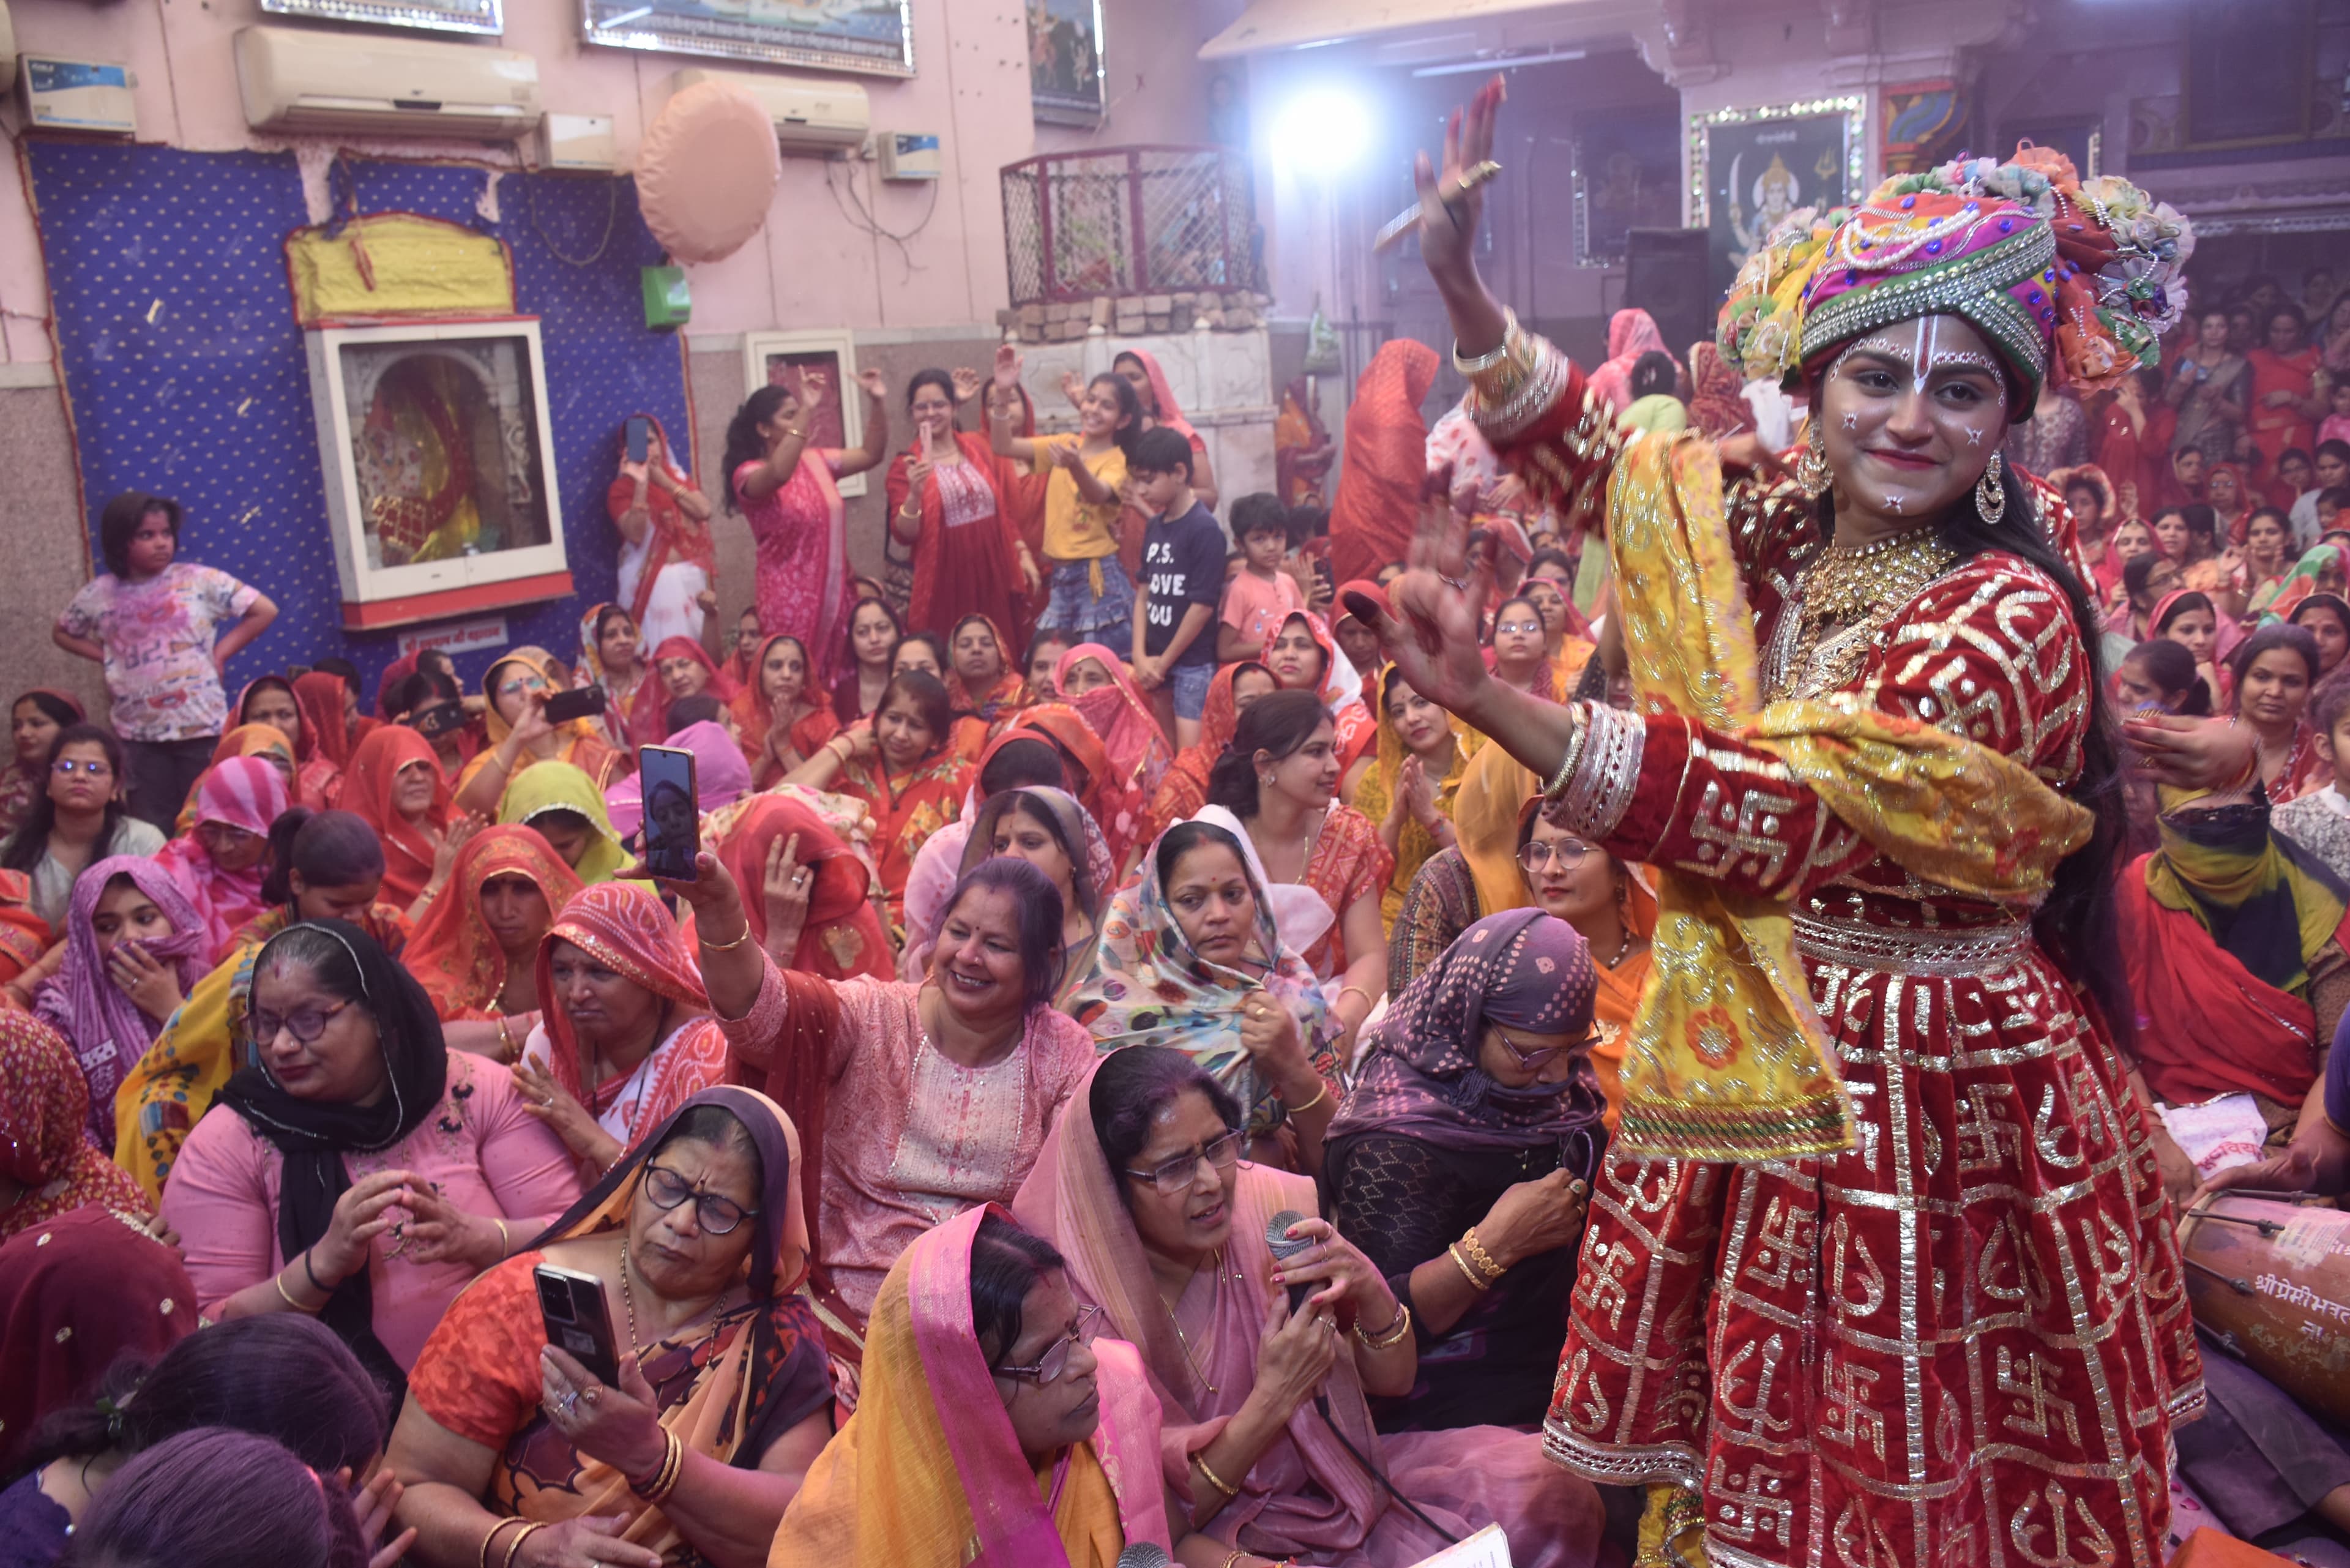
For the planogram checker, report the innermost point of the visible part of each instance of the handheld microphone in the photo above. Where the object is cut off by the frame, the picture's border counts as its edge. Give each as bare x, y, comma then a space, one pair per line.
1285, 1246
1143, 1554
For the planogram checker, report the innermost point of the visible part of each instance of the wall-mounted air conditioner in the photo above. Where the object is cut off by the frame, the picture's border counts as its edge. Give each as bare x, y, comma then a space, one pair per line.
811, 117
297, 81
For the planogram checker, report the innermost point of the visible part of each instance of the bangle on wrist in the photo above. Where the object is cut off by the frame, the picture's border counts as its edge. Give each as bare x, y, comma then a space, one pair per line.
483, 1560
278, 1279
514, 1545
312, 1275
1320, 1094
1481, 1258
1389, 1337
1219, 1482
1477, 1282
711, 947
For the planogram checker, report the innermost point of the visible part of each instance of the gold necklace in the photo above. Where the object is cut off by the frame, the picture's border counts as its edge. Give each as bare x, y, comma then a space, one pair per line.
1217, 1278
629, 1299
1854, 584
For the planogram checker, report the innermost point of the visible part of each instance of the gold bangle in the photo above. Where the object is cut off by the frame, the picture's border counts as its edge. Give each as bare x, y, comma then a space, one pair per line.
1389, 1337
1492, 357
506, 1241
278, 1279
1481, 1258
514, 1546
663, 1480
1476, 1281
1369, 1000
709, 946
1317, 1099
483, 1559
1219, 1482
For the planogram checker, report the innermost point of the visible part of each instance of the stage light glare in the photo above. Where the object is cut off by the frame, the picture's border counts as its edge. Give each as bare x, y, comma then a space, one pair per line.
1322, 131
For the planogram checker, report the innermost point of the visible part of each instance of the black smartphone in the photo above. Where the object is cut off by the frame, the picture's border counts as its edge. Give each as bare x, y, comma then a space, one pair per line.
640, 437
672, 816
579, 702
437, 719
577, 1322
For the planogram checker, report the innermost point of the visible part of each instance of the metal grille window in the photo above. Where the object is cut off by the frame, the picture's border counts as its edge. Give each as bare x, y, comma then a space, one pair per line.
1126, 220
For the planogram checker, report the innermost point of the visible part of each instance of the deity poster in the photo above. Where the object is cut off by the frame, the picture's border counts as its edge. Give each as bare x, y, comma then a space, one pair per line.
1750, 169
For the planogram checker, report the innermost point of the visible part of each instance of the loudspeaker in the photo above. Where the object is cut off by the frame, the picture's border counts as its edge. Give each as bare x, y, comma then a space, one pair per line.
1665, 274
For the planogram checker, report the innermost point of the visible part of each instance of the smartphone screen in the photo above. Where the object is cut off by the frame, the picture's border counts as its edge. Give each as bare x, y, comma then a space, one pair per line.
641, 432
572, 1307
673, 819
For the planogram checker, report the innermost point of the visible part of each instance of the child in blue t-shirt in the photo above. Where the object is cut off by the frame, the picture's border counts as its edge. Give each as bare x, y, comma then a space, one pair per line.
1182, 578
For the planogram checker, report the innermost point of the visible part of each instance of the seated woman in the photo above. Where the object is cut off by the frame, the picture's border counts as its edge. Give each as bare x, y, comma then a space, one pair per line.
627, 1036
134, 949
2191, 620
922, 650
778, 716
1460, 1161
47, 1163
2326, 617
929, 1097
1304, 657
475, 953
984, 1376
433, 705
77, 1293
564, 807
34, 721
81, 816
2159, 674
1609, 905
1048, 828
1165, 1229
1043, 657
806, 893
394, 785
985, 685
1519, 657
359, 1172
863, 669
325, 866
311, 718
1191, 959
2271, 674
1091, 679
686, 670
1183, 789
167, 1509
520, 738
219, 866
510, 1449
1410, 788
2239, 962
904, 768
282, 1377
1279, 778
1023, 757
612, 657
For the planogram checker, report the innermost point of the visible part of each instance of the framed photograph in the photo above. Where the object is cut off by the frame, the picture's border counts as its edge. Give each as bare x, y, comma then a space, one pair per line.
2247, 72
873, 36
433, 16
1627, 170
820, 369
1750, 168
1067, 82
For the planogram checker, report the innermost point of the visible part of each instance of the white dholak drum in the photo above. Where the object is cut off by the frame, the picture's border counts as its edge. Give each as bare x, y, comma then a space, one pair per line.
2270, 1280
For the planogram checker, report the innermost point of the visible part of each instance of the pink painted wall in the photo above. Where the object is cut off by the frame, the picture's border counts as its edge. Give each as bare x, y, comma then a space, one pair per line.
811, 264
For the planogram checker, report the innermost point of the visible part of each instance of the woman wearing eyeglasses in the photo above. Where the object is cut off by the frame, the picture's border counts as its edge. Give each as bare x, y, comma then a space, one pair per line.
1612, 909
982, 1374
1461, 1159
1269, 1444
1520, 656
517, 686
79, 818
514, 1453
360, 1172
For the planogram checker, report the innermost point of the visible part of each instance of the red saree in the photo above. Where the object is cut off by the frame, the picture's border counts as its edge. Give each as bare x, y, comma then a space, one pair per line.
323, 748
367, 792
1384, 463
967, 561
906, 808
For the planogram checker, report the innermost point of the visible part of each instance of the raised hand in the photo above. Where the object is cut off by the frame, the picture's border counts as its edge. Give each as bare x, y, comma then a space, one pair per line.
1438, 608
876, 385
1450, 210
967, 382
1007, 368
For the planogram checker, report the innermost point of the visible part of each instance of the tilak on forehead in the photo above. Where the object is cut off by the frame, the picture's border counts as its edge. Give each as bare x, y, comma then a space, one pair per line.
1918, 347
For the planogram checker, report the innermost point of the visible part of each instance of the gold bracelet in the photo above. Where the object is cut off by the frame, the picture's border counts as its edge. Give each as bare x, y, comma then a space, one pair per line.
1389, 1337
483, 1559
1481, 1258
711, 947
514, 1546
506, 1241
1492, 357
1317, 1099
278, 1279
1476, 1281
1369, 1000
664, 1477
1219, 1482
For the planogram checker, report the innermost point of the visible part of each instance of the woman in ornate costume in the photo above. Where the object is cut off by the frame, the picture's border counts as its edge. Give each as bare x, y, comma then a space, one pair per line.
1879, 1272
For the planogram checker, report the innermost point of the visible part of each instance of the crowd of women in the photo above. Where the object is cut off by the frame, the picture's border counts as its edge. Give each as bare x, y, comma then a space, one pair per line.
1130, 1065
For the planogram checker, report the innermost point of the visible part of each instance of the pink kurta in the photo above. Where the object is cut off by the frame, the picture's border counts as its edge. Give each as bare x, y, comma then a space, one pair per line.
802, 541
478, 1147
911, 1138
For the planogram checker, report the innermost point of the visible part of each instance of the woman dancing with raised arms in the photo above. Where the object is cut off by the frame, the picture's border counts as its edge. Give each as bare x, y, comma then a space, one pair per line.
1938, 1316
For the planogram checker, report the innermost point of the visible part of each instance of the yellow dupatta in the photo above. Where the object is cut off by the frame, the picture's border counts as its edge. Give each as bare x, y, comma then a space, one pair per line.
1376, 795
1727, 1058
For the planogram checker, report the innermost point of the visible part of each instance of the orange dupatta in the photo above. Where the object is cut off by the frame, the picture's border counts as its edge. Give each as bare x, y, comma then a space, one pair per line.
452, 955
367, 793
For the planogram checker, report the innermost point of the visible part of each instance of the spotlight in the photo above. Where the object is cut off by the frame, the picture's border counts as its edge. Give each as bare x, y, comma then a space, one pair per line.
1322, 131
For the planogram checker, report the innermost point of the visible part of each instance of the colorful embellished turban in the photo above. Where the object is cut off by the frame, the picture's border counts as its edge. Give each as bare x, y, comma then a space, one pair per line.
2071, 282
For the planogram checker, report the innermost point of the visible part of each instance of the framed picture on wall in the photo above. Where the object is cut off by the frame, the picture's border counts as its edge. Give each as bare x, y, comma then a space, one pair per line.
435, 15
1750, 168
873, 36
1067, 80
440, 467
1627, 170
819, 367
